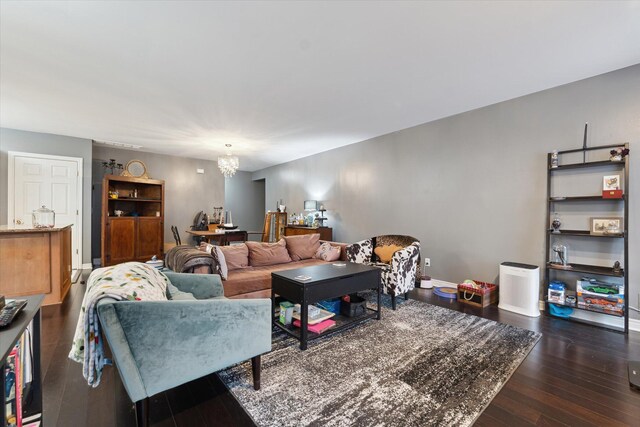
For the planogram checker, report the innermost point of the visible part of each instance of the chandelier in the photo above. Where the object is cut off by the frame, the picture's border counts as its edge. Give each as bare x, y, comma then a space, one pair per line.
228, 164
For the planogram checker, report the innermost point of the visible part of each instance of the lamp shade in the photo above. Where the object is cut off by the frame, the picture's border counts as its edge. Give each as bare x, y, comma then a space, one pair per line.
310, 205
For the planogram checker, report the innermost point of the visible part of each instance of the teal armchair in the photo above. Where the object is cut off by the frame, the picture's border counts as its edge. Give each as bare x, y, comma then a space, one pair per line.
158, 345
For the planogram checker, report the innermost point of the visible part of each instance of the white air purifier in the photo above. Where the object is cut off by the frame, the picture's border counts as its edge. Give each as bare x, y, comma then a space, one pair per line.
519, 288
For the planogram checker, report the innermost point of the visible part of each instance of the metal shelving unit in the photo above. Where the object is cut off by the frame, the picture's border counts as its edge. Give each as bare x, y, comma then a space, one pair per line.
579, 235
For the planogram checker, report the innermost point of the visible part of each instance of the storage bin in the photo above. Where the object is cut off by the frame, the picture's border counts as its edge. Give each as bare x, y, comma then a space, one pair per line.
357, 306
486, 294
332, 305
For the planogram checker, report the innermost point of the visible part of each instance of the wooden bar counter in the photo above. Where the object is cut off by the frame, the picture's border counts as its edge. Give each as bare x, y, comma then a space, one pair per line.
35, 261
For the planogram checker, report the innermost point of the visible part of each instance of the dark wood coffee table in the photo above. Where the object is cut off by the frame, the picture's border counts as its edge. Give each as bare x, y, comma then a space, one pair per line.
327, 281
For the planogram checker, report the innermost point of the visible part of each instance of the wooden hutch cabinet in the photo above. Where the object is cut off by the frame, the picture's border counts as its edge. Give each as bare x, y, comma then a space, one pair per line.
132, 219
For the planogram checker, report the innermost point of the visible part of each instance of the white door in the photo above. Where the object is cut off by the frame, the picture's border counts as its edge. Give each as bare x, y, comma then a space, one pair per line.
49, 181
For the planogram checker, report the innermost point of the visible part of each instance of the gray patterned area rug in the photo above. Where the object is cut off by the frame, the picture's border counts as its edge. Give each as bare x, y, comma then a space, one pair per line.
421, 365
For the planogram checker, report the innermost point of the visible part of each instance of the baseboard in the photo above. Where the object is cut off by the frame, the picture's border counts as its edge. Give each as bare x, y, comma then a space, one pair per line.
87, 266
634, 325
75, 275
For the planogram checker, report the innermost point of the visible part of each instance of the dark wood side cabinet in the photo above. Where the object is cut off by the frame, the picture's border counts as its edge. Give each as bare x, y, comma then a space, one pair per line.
326, 233
132, 219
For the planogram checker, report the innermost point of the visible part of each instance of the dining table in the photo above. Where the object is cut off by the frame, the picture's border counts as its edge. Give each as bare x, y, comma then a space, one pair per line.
220, 238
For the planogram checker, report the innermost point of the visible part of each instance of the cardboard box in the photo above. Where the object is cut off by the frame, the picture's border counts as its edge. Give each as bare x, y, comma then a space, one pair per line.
556, 292
600, 296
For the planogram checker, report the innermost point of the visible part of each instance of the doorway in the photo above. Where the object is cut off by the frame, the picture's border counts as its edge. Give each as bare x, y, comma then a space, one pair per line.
53, 181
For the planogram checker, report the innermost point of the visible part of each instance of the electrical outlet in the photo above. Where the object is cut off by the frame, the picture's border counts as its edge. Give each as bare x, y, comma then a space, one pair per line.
427, 262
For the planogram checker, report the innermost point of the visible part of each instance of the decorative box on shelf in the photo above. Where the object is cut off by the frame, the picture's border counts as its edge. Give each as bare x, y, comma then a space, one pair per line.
612, 194
477, 293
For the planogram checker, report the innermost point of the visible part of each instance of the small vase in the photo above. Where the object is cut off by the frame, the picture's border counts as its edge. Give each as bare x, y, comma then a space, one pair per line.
556, 223
616, 157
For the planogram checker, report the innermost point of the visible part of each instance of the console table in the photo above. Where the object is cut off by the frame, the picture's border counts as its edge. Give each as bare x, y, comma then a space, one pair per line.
326, 233
9, 336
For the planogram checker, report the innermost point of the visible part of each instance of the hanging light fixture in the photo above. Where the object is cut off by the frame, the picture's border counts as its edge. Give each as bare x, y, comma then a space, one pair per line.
228, 164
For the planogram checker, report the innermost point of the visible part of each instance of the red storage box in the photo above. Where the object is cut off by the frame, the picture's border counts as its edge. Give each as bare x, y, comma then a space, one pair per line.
612, 194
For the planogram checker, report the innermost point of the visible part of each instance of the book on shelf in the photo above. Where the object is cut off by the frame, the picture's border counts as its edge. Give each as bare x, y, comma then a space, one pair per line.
316, 315
13, 389
317, 327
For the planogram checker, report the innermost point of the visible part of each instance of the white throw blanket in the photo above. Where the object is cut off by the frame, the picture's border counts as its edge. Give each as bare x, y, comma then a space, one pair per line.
132, 281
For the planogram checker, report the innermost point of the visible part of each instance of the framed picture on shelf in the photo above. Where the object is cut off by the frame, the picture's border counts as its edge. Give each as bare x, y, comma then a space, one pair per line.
608, 225
610, 182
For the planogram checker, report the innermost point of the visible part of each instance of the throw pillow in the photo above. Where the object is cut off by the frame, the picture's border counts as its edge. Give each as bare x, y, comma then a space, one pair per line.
221, 263
332, 254
328, 252
360, 252
268, 253
385, 253
303, 246
236, 256
323, 248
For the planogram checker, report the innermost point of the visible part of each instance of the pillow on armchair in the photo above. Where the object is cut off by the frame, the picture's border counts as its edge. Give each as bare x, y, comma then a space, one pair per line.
385, 253
360, 252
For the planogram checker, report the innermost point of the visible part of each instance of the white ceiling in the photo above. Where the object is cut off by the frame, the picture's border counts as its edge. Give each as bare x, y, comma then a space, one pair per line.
284, 80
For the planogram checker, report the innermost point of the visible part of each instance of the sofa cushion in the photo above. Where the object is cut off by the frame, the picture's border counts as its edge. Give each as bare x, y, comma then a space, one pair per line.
328, 252
385, 253
262, 254
303, 246
236, 256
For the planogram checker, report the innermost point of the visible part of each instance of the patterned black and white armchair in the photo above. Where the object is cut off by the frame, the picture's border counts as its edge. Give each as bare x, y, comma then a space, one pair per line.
397, 256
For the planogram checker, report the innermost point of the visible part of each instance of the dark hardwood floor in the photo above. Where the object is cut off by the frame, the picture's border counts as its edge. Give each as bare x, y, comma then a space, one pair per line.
576, 375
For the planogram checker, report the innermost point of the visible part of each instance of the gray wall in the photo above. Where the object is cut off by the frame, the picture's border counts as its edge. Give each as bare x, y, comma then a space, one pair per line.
186, 192
58, 145
244, 197
471, 187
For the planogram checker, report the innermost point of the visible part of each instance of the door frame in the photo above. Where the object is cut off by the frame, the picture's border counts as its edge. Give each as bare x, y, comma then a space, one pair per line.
79, 199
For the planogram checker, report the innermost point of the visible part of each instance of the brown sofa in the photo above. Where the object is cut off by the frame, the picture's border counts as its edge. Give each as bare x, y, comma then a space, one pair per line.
255, 282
